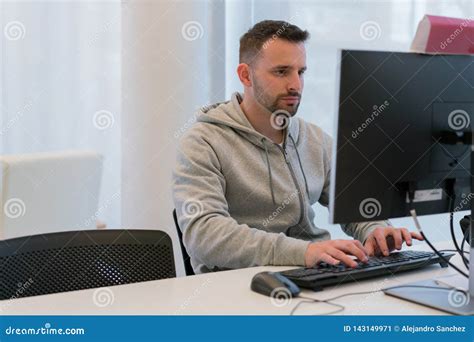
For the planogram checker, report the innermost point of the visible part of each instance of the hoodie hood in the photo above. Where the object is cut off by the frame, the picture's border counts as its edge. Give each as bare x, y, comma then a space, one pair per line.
230, 114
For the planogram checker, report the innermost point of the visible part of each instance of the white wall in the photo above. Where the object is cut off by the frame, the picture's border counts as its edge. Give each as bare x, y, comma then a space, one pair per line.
165, 79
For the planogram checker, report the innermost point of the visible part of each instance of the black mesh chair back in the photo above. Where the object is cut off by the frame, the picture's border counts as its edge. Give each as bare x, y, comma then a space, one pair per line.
76, 260
186, 258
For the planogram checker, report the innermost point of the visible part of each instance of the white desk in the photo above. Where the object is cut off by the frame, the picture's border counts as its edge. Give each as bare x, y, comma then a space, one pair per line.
222, 293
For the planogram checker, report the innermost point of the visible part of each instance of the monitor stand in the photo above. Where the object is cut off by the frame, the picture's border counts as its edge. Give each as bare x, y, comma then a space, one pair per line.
444, 297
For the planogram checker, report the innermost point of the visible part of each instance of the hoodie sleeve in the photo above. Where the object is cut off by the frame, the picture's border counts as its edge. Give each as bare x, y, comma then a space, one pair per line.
211, 236
359, 230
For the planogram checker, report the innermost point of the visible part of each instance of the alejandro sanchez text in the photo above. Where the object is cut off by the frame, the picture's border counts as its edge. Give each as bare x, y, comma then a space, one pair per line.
439, 328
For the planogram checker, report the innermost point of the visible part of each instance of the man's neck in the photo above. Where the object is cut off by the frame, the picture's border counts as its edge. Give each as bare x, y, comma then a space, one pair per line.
260, 119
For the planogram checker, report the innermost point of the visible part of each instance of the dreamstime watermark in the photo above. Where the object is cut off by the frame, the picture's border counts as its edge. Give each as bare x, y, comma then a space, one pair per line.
275, 36
192, 30
280, 119
369, 298
280, 208
370, 208
103, 297
91, 220
280, 297
22, 287
464, 202
465, 23
196, 293
109, 25
191, 121
12, 121
14, 208
458, 298
459, 119
377, 110
370, 30
47, 329
14, 30
192, 208
103, 119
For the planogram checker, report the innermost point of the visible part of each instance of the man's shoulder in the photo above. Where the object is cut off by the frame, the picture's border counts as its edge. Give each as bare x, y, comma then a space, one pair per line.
205, 133
202, 129
311, 131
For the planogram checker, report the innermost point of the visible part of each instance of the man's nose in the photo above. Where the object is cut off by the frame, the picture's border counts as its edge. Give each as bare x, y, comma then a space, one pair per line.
295, 82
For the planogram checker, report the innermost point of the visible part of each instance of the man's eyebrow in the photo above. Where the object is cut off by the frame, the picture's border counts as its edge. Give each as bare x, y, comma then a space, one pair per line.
286, 67
282, 67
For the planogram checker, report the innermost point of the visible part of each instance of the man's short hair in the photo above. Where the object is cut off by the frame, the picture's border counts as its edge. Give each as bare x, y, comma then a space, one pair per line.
263, 33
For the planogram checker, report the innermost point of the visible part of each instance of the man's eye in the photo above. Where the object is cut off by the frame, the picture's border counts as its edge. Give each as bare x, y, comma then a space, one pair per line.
301, 72
280, 72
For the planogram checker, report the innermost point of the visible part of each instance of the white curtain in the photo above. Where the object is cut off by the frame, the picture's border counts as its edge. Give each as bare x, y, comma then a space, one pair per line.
60, 84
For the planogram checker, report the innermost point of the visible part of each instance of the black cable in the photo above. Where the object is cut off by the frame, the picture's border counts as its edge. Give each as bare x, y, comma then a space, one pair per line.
452, 199
453, 235
312, 300
441, 256
459, 250
452, 250
463, 243
417, 224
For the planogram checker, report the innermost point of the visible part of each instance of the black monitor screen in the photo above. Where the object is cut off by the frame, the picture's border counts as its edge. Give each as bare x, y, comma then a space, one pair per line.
403, 132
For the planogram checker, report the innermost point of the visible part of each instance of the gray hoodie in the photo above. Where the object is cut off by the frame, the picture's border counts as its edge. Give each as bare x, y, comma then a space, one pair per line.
243, 200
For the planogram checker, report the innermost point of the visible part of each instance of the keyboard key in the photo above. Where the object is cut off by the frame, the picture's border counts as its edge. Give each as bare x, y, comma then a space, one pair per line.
325, 274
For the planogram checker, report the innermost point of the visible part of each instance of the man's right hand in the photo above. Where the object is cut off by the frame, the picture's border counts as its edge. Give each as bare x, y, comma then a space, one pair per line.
334, 251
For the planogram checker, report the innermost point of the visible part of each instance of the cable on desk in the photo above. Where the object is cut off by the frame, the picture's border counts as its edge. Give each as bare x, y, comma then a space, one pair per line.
342, 307
453, 235
418, 226
452, 199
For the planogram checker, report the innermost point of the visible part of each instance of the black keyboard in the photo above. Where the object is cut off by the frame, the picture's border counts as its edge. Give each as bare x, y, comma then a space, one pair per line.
327, 275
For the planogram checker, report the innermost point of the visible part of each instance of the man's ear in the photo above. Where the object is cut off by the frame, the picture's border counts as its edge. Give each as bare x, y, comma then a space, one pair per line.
243, 71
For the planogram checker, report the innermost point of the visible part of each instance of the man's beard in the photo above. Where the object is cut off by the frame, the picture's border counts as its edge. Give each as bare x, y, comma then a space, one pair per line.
271, 103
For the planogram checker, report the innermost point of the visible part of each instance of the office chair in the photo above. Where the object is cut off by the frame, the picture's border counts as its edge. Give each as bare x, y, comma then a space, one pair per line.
76, 260
186, 258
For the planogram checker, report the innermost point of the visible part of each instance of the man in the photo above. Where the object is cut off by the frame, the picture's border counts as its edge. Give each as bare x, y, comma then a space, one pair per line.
246, 176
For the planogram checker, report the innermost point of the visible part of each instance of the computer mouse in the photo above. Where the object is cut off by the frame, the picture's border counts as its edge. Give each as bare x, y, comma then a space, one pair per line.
273, 284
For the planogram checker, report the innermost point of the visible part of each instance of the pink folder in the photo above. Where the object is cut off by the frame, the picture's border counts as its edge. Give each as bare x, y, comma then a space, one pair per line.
443, 35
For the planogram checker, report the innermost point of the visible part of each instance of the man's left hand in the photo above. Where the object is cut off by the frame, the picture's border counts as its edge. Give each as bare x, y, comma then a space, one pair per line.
383, 240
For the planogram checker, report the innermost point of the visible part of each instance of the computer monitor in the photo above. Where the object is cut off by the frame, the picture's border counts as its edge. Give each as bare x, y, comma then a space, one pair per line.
403, 136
